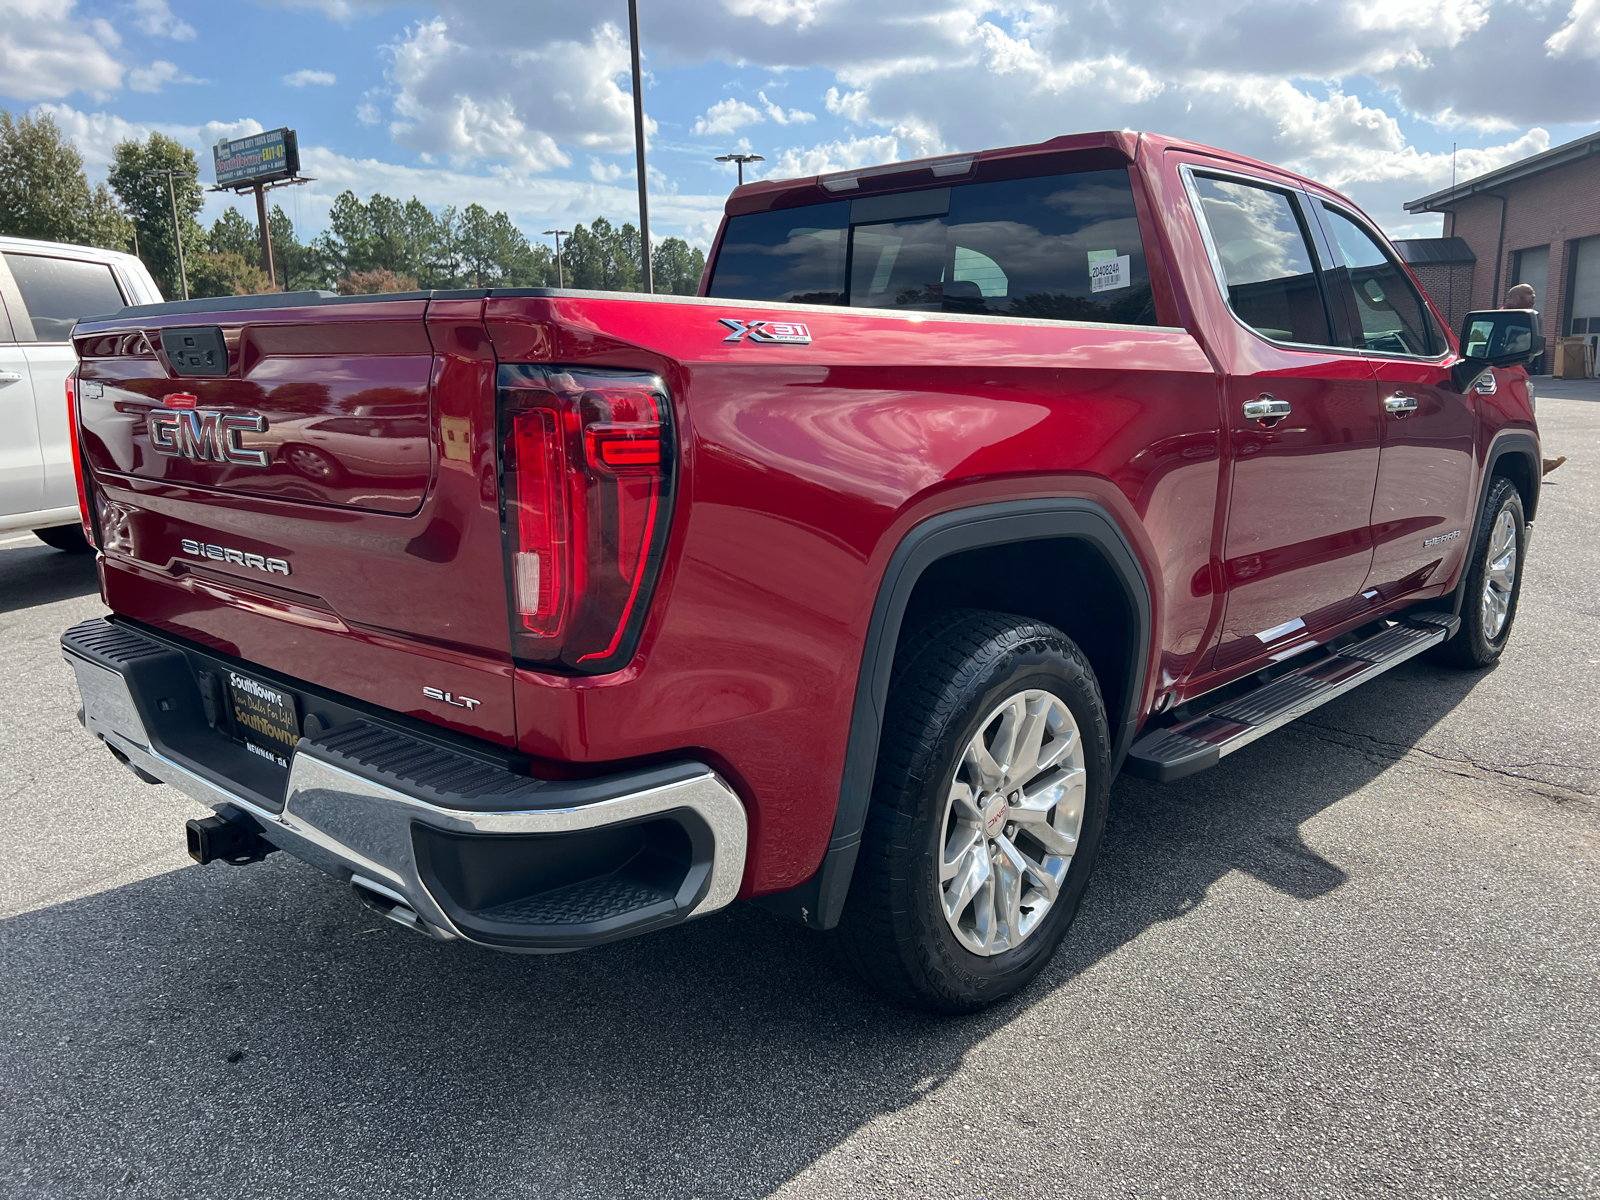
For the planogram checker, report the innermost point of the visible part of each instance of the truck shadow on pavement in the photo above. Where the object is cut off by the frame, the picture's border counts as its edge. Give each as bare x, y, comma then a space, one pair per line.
253, 1032
33, 574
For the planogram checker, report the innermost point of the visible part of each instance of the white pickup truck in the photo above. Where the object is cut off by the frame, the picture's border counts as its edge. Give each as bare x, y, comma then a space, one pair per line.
44, 288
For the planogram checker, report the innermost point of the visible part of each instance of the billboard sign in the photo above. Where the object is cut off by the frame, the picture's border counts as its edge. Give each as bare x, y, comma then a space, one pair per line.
259, 158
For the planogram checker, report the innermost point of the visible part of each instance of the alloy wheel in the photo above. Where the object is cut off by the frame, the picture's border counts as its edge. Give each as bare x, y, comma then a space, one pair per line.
1500, 575
1011, 822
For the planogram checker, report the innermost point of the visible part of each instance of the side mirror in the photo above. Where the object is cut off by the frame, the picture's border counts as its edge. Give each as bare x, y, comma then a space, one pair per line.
1497, 337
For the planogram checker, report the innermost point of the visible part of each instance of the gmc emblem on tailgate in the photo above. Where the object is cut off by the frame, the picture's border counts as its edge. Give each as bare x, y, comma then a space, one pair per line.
206, 436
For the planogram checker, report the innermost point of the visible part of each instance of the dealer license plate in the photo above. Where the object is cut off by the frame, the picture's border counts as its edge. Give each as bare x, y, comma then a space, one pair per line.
265, 717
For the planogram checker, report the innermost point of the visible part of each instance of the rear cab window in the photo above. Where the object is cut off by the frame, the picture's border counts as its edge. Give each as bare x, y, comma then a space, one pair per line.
1060, 247
58, 291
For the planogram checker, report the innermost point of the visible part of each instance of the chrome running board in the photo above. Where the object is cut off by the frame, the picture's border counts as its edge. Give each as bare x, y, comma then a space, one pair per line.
1200, 742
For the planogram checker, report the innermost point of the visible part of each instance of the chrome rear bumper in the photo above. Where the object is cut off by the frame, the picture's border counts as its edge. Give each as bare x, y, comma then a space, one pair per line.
356, 806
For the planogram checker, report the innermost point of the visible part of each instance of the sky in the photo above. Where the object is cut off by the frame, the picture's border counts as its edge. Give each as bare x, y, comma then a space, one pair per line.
527, 107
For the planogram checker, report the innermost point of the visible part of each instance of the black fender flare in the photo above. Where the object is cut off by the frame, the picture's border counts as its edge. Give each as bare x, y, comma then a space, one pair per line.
1512, 441
819, 902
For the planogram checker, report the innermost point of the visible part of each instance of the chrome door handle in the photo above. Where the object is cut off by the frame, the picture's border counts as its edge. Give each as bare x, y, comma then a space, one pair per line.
1400, 406
1265, 408
10, 376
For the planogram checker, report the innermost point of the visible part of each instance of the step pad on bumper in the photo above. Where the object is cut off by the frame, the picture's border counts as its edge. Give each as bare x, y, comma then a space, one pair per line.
1200, 742
435, 774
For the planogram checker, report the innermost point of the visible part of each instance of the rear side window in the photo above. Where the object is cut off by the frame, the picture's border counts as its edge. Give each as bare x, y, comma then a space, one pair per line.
793, 256
1393, 318
1063, 247
57, 291
1265, 260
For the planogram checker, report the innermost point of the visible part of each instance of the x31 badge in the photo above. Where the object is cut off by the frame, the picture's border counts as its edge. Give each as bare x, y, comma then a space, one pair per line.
786, 333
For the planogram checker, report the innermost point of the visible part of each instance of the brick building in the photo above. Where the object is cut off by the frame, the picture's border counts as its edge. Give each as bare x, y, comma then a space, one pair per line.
1537, 222
1445, 267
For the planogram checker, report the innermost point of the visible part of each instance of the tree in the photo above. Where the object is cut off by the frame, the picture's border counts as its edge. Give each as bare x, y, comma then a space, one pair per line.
676, 268
232, 234
603, 257
44, 193
371, 283
228, 273
301, 267
145, 197
348, 239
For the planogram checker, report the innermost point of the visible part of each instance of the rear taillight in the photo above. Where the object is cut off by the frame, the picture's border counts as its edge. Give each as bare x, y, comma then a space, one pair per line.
587, 486
77, 458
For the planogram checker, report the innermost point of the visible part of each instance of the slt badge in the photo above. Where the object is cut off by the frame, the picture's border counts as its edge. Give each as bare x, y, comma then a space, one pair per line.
783, 333
466, 702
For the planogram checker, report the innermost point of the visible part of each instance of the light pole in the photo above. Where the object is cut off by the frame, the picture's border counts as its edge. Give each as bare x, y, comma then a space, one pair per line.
559, 234
741, 159
177, 236
638, 143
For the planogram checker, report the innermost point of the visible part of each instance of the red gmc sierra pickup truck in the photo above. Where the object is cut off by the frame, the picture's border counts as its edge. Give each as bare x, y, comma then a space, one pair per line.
549, 617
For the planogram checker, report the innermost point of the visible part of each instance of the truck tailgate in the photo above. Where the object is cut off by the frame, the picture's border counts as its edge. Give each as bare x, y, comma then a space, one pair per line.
309, 485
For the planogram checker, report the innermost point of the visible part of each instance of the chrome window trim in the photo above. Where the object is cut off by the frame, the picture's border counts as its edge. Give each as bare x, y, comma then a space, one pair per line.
1187, 171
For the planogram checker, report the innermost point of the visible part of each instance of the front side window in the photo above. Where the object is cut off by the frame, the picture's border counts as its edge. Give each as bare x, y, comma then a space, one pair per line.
1061, 247
58, 291
1393, 318
1265, 260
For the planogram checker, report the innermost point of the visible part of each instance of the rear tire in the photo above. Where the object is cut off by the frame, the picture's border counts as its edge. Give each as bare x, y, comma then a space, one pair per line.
949, 819
1491, 584
68, 538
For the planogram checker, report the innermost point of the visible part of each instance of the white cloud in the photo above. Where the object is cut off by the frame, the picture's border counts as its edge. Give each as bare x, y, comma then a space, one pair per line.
793, 116
46, 53
156, 18
1580, 36
342, 11
157, 75
305, 77
534, 201
725, 116
470, 86
1338, 90
833, 156
852, 106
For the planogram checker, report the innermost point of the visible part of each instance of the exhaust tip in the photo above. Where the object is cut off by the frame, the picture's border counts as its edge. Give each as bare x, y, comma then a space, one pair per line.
393, 906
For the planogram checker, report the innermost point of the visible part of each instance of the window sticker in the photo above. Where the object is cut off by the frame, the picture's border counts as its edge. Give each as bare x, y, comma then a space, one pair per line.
1109, 270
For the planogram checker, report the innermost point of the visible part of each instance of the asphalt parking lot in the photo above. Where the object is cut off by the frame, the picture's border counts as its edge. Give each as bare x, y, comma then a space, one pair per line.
1356, 960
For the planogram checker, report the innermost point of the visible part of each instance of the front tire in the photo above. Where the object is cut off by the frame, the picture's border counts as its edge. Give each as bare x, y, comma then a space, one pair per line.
987, 813
1492, 583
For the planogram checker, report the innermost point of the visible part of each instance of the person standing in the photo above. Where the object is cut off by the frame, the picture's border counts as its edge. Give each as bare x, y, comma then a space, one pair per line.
1522, 295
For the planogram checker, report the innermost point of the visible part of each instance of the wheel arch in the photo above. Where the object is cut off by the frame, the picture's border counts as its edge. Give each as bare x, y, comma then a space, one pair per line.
1515, 455
1093, 536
